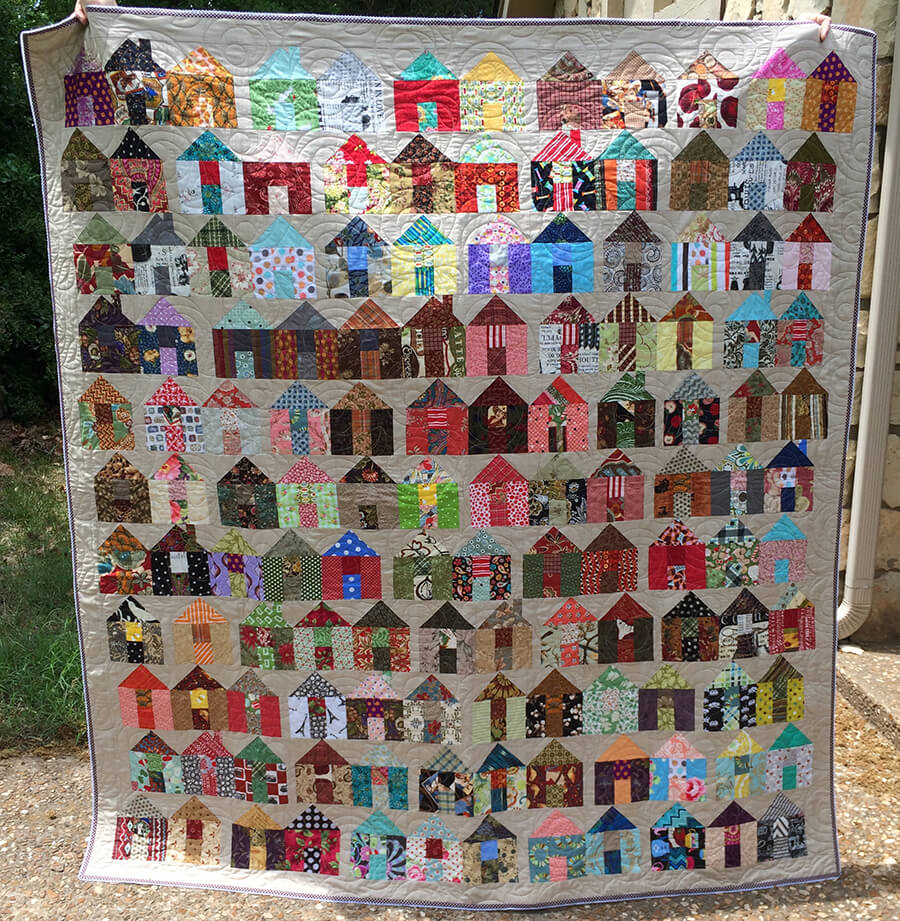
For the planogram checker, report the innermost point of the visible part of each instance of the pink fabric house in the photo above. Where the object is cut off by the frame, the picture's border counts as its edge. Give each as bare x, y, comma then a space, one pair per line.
144, 701
498, 496
806, 263
558, 420
496, 341
615, 490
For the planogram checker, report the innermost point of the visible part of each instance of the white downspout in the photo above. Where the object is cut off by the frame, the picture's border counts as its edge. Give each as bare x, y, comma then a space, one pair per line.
877, 388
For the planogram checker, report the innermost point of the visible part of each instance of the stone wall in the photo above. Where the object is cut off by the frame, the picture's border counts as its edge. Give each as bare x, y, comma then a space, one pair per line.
884, 622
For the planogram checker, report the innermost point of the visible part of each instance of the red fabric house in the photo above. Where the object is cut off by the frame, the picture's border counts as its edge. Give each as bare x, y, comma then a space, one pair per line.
437, 422
609, 563
426, 97
144, 701
261, 178
677, 559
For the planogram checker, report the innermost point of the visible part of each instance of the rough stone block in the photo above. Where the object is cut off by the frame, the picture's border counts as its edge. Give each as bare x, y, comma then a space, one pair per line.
879, 15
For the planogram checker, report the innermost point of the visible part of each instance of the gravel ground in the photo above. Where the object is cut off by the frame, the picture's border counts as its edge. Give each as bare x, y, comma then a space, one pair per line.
41, 849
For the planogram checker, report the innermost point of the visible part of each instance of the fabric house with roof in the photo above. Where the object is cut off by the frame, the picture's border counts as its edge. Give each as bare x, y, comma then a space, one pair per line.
201, 636
358, 264
378, 849
751, 334
792, 622
706, 94
775, 94
266, 638
179, 563
350, 96
612, 845
145, 702
317, 710
434, 341
729, 702
555, 778
666, 702
789, 481
691, 413
678, 772
683, 488
498, 712
381, 641
136, 173
375, 711
806, 263
632, 258
446, 641
445, 785
754, 411
426, 96
622, 774
356, 179
804, 408
283, 94
684, 337
323, 640
123, 565
235, 568
138, 83
133, 635
700, 257
121, 492
232, 422
498, 421
738, 484
756, 255
367, 497
829, 100
810, 179
490, 854
167, 341
260, 776
756, 176
219, 262
427, 497
350, 569
242, 342
252, 707
558, 495
553, 708
432, 714
369, 346
291, 570
498, 496
199, 702
627, 337
677, 559
781, 831
558, 420
633, 95
194, 835
690, 632
208, 767
160, 259
562, 259
744, 628
89, 98
569, 97
361, 423
380, 781
257, 841
481, 570
247, 497
303, 346
732, 556
491, 97
780, 695
85, 176
789, 761
283, 263
556, 852
277, 187
625, 174
201, 92
210, 178
300, 422
569, 340
421, 180
499, 783
141, 833
610, 704
625, 633
740, 768
503, 639
487, 178
626, 414
677, 841
562, 176
782, 553
499, 261
434, 853
155, 767
552, 567
723, 838
801, 334
306, 496
699, 179
423, 261
609, 563
423, 569
103, 260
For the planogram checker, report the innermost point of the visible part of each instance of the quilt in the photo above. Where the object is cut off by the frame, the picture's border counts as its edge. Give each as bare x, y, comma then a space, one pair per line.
455, 416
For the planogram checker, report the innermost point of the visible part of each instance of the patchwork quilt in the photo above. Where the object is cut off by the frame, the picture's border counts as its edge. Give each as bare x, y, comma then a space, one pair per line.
455, 415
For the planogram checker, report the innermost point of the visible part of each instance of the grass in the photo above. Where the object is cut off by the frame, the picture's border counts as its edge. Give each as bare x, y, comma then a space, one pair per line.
40, 670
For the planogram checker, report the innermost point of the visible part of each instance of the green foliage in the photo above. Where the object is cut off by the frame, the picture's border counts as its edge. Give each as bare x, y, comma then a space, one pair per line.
28, 382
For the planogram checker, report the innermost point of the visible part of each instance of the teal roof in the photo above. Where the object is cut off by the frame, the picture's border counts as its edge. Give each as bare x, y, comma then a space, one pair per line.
208, 147
677, 817
783, 529
280, 235
791, 737
756, 307
243, 316
426, 67
802, 308
626, 147
422, 231
379, 824
284, 64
